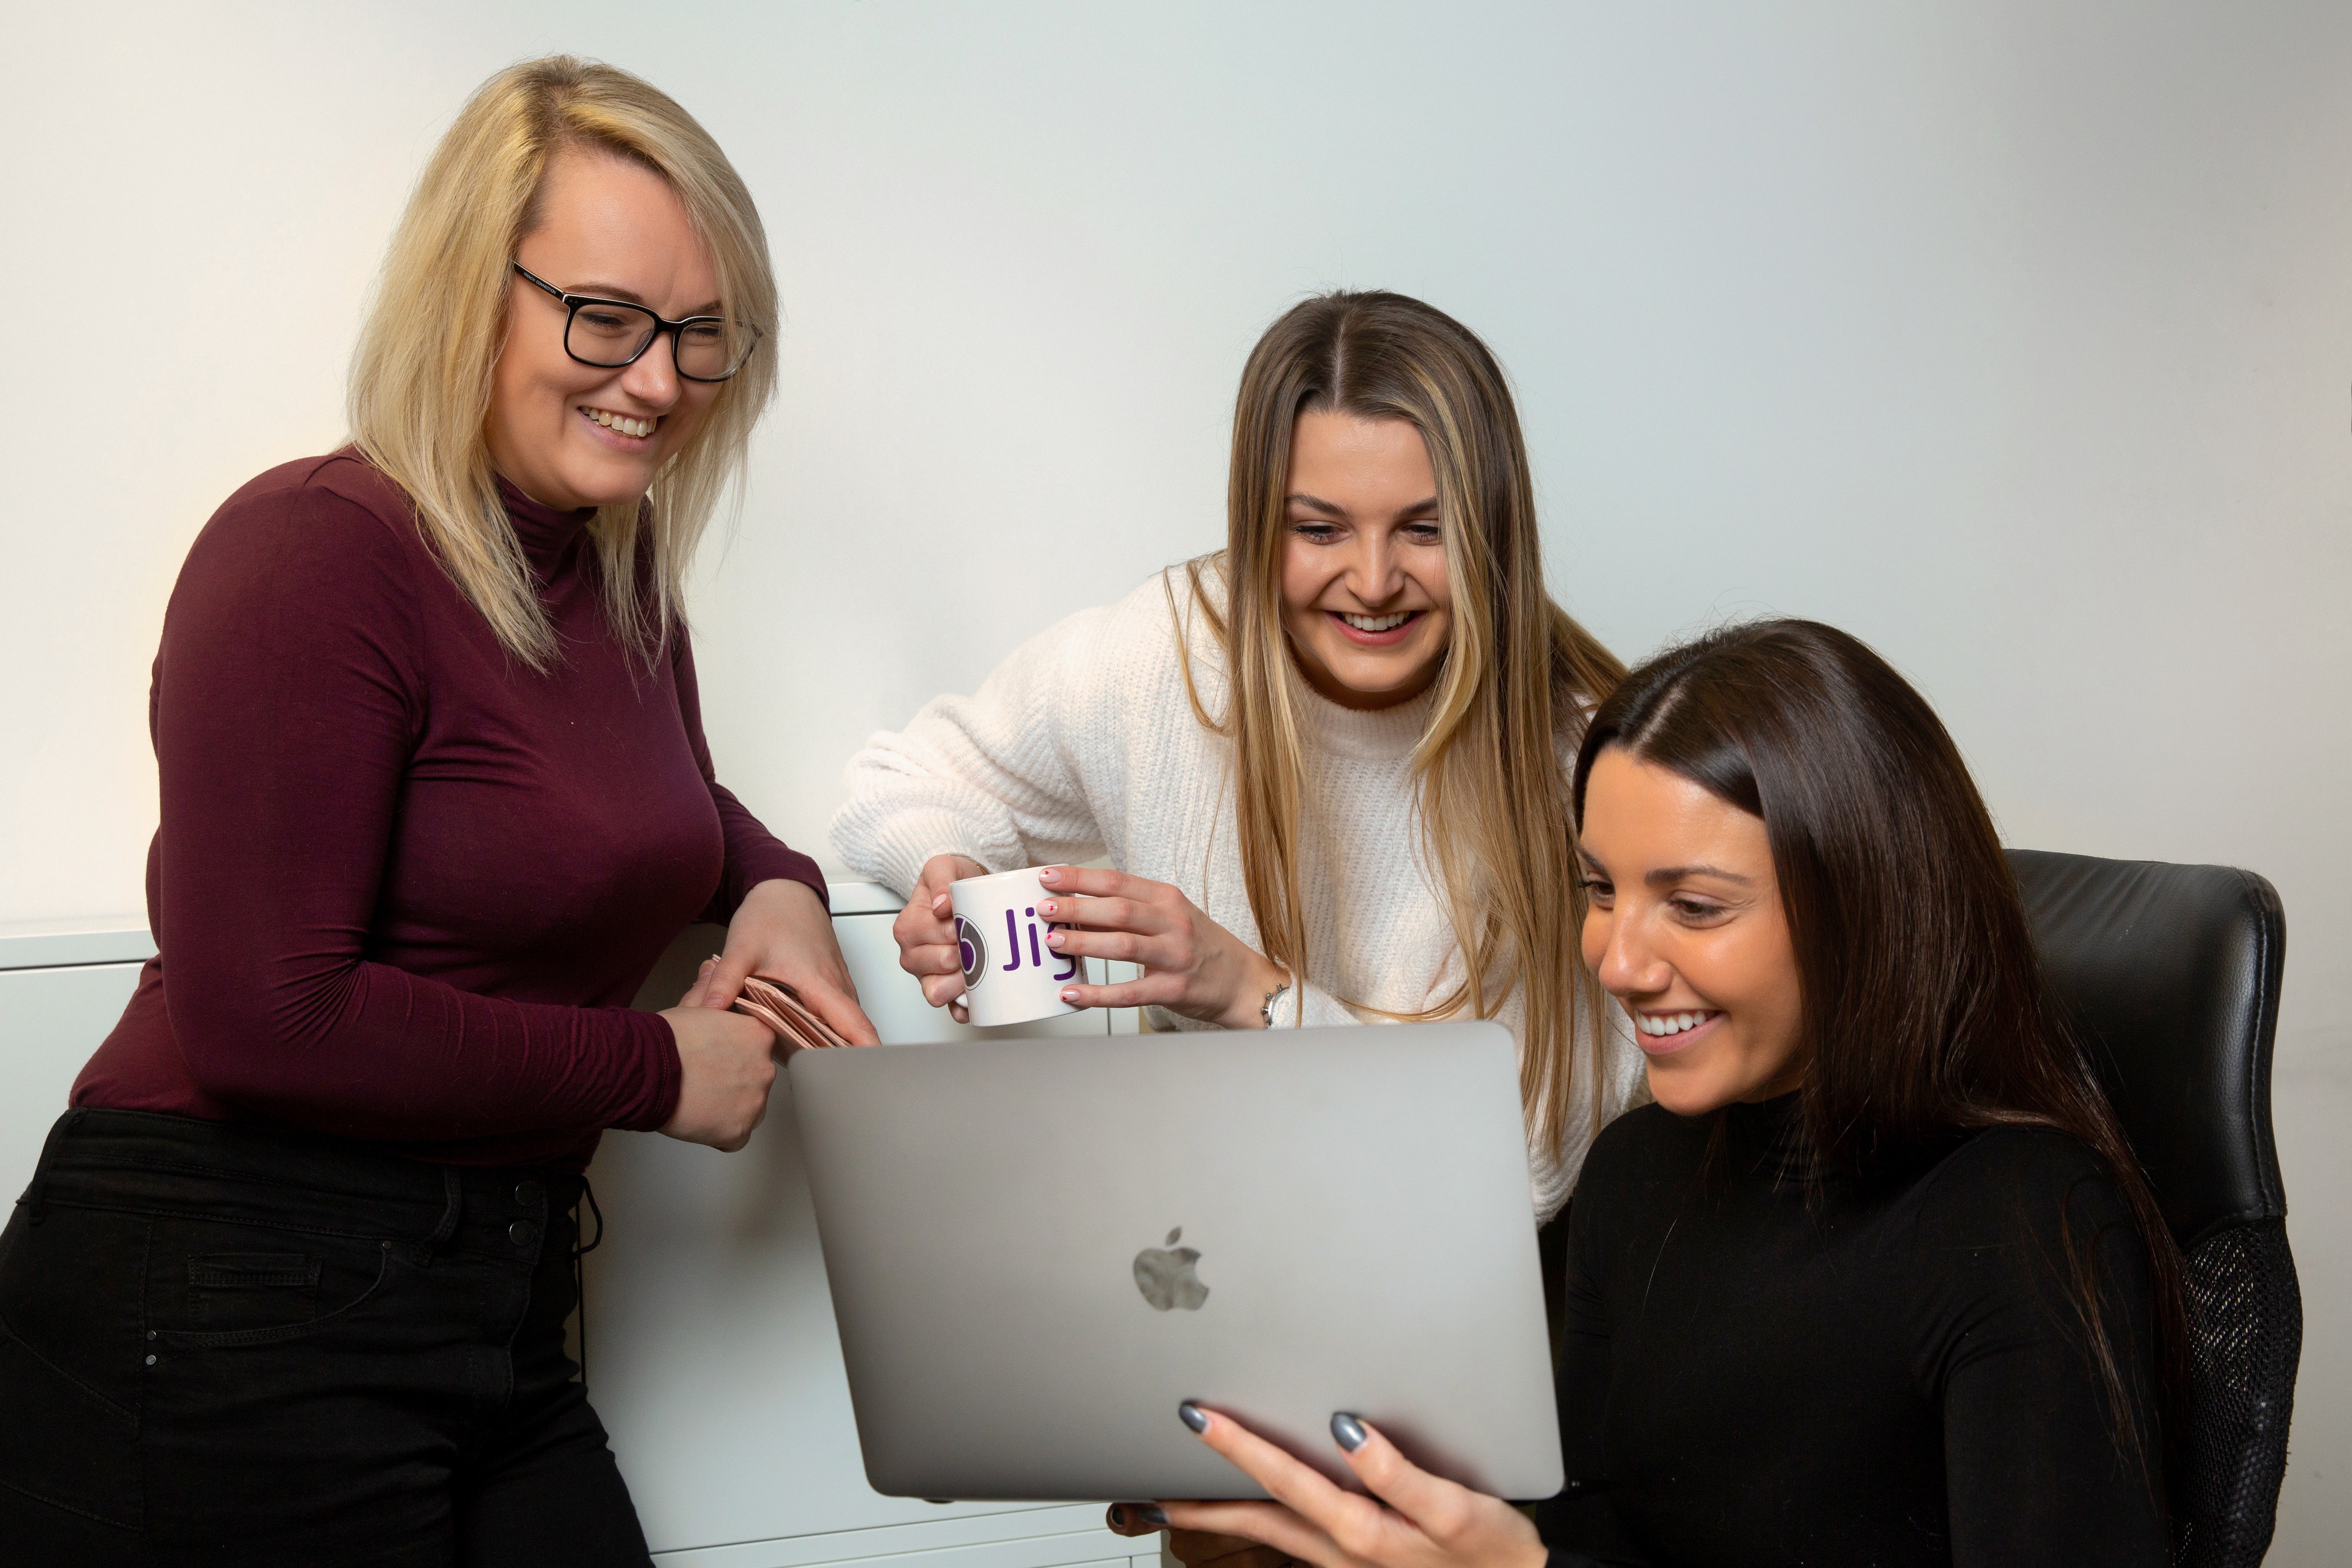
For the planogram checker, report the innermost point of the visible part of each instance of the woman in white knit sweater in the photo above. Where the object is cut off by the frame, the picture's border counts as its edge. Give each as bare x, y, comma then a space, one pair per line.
1327, 763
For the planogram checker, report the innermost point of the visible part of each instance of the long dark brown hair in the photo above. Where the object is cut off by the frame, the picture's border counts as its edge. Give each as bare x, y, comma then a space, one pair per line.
1923, 1007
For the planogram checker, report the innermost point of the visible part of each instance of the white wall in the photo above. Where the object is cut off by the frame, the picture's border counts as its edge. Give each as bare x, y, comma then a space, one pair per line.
2011, 336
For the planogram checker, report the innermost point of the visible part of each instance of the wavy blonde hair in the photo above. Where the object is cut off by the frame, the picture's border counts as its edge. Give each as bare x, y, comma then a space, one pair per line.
1519, 674
421, 378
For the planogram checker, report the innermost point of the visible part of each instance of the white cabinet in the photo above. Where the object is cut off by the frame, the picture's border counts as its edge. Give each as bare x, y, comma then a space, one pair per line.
62, 986
708, 1328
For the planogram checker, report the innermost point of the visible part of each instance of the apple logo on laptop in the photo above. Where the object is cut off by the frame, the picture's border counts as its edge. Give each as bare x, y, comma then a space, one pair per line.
1164, 1274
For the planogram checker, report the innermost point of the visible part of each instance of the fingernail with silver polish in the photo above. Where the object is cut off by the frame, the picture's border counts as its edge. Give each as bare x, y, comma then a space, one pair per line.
1191, 1415
1347, 1431
1152, 1513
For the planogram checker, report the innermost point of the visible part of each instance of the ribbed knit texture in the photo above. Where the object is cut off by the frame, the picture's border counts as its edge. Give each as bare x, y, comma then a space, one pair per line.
1082, 744
403, 889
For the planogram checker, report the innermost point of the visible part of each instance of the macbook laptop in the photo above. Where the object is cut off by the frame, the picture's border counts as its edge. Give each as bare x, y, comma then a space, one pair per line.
1037, 1248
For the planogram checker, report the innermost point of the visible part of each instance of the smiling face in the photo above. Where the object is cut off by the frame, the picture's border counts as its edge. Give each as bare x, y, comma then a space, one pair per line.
569, 435
1364, 593
1686, 928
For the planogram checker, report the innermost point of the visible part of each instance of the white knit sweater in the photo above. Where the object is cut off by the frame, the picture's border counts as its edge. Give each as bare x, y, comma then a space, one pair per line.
1082, 743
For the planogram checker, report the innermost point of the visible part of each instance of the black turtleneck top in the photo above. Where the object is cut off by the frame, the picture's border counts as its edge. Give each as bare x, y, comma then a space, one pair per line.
1759, 1375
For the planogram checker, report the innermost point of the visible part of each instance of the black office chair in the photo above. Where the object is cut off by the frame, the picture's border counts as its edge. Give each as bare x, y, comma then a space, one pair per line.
2171, 976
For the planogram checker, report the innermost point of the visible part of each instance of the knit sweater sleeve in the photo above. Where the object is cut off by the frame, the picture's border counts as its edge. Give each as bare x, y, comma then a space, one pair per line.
1312, 1007
1008, 775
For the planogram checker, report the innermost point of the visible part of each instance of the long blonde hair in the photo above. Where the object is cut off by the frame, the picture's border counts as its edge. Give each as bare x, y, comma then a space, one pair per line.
1519, 677
421, 378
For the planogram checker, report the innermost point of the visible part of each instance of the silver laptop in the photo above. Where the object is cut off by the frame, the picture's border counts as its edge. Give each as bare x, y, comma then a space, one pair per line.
1037, 1248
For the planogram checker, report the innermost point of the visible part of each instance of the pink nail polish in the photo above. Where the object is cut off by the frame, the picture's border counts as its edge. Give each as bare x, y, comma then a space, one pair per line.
1071, 997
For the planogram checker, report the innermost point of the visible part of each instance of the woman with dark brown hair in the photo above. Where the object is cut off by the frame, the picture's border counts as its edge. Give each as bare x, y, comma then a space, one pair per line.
1876, 1280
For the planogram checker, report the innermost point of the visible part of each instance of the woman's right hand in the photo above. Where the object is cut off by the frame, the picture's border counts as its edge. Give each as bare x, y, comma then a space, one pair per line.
924, 931
726, 1065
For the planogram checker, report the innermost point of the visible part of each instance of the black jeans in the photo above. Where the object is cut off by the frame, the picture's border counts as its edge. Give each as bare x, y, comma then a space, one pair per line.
227, 1346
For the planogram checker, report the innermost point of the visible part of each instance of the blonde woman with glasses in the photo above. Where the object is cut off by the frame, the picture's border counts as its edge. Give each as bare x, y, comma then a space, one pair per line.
1326, 763
290, 1280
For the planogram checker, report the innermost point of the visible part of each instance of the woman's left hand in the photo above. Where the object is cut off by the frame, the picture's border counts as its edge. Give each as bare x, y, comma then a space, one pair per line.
1192, 964
1412, 1520
782, 930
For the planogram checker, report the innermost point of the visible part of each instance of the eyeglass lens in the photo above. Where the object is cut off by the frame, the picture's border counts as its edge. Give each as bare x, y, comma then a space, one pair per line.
610, 334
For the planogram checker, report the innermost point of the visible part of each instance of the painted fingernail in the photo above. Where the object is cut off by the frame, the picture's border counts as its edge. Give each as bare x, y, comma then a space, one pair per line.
1193, 1415
1070, 995
1049, 876
1054, 939
1151, 1513
1047, 907
1347, 1432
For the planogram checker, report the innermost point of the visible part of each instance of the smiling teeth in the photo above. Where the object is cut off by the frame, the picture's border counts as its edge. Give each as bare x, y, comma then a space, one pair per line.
1663, 1023
621, 422
1377, 623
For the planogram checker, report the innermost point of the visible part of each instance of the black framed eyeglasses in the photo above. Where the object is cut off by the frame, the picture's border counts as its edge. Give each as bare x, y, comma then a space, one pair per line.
610, 333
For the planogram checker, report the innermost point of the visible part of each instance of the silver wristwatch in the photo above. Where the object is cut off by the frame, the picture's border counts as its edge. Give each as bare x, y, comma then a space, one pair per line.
1265, 1008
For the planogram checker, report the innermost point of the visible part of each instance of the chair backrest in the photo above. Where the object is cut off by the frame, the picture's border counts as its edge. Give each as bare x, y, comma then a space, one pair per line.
2170, 976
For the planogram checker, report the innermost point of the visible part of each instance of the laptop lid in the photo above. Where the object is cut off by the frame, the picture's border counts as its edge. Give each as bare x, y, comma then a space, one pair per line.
1037, 1248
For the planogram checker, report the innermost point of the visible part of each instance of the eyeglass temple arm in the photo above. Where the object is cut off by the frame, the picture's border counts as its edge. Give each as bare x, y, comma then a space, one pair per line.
529, 276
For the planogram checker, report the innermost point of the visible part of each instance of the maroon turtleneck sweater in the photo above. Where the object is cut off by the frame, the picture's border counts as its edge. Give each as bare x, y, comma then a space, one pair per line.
405, 888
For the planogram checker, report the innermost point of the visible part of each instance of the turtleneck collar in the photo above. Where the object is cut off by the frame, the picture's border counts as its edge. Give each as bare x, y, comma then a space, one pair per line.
1766, 1115
545, 533
1768, 1136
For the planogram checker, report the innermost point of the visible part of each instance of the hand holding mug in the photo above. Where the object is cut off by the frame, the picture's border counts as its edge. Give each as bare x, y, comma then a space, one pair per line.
925, 932
1192, 964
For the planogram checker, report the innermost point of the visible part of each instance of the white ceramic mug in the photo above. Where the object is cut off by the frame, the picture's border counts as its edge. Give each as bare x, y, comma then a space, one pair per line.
1010, 975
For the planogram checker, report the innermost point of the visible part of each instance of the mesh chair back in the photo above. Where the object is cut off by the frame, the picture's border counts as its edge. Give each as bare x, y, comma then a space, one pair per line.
2170, 976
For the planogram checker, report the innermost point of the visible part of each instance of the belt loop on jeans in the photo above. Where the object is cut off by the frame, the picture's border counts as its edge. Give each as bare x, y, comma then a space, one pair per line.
37, 1197
454, 1188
